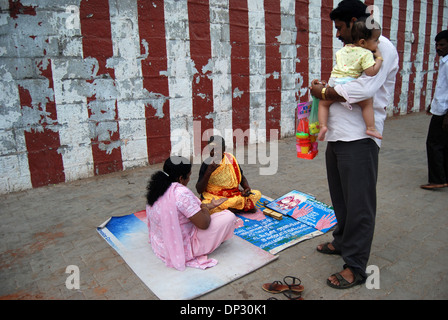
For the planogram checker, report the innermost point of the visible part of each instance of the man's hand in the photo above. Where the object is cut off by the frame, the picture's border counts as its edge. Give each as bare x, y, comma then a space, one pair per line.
316, 88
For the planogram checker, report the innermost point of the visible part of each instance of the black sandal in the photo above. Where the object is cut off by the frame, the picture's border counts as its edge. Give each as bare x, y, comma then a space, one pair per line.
291, 296
295, 286
326, 250
343, 283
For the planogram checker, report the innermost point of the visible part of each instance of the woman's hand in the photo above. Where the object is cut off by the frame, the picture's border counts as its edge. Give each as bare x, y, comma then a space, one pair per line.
246, 192
202, 218
216, 203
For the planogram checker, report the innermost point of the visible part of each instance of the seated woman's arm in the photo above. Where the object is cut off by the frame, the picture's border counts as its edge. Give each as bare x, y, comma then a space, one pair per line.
201, 185
245, 185
202, 218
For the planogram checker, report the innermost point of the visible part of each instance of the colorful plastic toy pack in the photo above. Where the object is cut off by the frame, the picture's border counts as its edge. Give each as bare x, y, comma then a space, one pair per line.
307, 128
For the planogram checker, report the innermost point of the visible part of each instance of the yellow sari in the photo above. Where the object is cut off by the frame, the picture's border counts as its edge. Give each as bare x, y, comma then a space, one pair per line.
224, 182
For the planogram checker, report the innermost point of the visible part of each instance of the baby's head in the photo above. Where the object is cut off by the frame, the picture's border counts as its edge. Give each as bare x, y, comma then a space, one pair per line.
366, 33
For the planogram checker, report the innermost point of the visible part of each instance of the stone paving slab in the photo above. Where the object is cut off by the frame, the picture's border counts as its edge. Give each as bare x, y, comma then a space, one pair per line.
45, 230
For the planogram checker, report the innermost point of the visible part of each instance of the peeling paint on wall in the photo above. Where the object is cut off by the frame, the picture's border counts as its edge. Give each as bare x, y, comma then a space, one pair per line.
91, 87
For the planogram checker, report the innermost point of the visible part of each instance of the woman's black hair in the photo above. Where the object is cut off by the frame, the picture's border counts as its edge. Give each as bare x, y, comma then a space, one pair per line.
217, 140
348, 9
173, 168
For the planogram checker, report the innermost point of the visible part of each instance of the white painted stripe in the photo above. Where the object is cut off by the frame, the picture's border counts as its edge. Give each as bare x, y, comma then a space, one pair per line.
257, 69
129, 82
380, 5
221, 69
432, 54
418, 61
394, 23
407, 63
71, 101
445, 15
315, 28
14, 169
288, 51
180, 76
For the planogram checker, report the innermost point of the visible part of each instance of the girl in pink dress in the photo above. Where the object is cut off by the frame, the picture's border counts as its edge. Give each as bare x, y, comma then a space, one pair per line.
181, 230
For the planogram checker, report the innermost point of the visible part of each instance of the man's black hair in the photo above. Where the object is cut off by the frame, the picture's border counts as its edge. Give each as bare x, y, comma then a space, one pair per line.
348, 9
442, 35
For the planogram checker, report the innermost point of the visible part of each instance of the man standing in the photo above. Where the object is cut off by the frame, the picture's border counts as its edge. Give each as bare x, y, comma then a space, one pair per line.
437, 139
351, 155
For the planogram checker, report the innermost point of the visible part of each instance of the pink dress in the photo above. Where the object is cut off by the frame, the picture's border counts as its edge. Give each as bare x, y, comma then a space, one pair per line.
175, 239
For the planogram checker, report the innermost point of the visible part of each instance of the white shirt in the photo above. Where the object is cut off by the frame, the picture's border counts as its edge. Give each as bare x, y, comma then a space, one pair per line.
348, 125
439, 104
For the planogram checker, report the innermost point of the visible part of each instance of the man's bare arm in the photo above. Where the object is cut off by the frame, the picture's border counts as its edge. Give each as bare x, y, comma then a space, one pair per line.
330, 94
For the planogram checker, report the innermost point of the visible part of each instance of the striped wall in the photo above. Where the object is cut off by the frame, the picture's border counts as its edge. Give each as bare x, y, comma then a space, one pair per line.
93, 87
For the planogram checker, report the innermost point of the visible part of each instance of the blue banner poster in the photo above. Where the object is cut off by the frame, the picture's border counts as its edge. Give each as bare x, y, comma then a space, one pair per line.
273, 235
305, 208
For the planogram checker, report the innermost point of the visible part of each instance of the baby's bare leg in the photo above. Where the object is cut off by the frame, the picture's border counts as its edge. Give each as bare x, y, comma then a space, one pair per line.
369, 118
322, 115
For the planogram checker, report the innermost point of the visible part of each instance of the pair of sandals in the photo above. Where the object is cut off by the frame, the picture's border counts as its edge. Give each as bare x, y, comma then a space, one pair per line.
291, 287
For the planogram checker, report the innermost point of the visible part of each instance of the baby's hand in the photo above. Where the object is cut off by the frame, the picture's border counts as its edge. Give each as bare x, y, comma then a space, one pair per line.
377, 53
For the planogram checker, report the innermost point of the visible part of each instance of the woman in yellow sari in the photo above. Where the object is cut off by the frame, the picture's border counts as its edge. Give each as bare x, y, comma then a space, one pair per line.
220, 177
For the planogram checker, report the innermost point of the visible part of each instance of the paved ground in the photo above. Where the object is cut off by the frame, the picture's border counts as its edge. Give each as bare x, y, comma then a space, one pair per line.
44, 230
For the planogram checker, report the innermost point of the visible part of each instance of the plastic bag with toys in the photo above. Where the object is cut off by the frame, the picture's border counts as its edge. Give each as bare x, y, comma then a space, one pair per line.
307, 128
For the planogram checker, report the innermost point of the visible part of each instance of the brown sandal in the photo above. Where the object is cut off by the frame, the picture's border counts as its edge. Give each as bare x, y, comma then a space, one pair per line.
279, 287
431, 186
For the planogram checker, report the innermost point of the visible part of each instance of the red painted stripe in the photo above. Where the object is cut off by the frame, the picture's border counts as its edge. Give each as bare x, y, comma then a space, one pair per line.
414, 51
387, 19
302, 42
16, 8
239, 39
400, 48
97, 43
426, 50
45, 163
273, 25
327, 40
368, 2
151, 22
200, 51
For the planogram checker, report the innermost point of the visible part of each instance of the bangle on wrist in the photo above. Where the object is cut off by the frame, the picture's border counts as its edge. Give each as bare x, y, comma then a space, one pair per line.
379, 58
323, 92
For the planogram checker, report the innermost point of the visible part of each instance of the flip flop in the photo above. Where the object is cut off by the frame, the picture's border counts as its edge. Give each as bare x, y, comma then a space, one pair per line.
289, 294
326, 250
275, 287
431, 186
279, 287
295, 286
344, 284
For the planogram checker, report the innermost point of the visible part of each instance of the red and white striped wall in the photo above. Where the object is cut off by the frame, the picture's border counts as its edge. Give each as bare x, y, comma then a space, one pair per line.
93, 87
